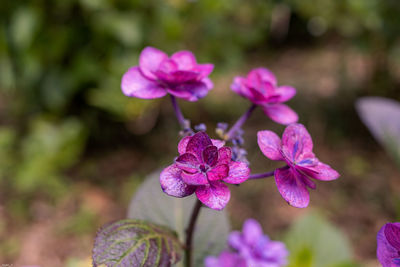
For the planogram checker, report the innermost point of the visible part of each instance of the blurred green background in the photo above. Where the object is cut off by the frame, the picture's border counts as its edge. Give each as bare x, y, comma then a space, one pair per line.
73, 149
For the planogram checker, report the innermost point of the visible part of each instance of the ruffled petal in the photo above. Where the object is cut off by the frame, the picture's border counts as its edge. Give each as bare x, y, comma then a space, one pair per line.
172, 183
210, 155
149, 61
218, 172
296, 142
215, 195
187, 162
209, 84
204, 70
285, 93
386, 253
280, 113
320, 171
197, 178
185, 60
292, 189
183, 144
218, 143
134, 84
252, 232
259, 75
238, 173
270, 144
198, 143
224, 155
191, 91
235, 240
239, 86
392, 233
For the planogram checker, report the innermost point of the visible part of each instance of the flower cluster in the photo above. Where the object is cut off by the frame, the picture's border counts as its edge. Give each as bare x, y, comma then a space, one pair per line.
204, 164
260, 87
250, 248
157, 75
202, 167
388, 249
295, 149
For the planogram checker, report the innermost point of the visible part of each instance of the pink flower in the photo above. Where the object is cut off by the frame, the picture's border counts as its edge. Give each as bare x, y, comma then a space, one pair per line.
296, 149
388, 249
202, 167
158, 74
260, 87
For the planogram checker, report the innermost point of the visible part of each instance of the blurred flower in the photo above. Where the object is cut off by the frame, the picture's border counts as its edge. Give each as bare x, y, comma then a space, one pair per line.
260, 87
388, 250
251, 248
202, 166
296, 149
158, 74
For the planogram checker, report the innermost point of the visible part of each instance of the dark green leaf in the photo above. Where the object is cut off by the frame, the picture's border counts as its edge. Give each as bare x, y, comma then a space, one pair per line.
131, 243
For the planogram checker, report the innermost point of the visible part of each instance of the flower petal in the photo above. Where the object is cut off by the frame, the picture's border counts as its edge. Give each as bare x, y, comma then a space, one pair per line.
320, 171
209, 84
285, 93
235, 240
198, 143
270, 144
218, 172
187, 162
252, 232
386, 253
197, 178
172, 183
280, 113
296, 141
218, 143
224, 155
291, 188
185, 60
204, 70
210, 155
183, 144
239, 86
191, 91
134, 84
261, 75
150, 60
215, 195
392, 233
238, 173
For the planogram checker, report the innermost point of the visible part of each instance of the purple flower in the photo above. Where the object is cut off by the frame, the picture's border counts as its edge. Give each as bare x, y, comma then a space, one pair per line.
202, 167
251, 248
158, 74
388, 250
260, 87
296, 149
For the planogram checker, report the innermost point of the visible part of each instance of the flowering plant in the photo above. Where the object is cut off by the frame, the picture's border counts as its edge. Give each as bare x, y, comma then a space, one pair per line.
205, 167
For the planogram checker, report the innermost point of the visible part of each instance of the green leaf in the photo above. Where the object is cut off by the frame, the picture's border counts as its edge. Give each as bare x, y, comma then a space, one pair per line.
129, 243
151, 204
314, 242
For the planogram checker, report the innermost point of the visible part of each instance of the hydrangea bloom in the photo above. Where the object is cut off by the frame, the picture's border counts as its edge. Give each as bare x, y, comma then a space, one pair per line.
202, 167
296, 149
388, 250
158, 74
260, 87
251, 248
